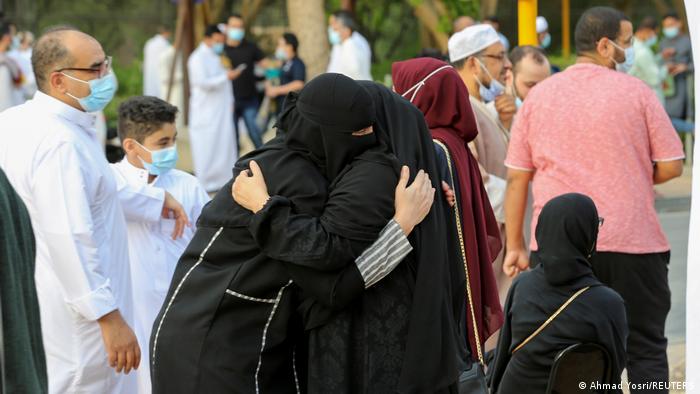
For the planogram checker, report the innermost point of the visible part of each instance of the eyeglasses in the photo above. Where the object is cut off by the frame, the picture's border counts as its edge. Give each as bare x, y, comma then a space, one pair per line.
103, 68
601, 221
500, 57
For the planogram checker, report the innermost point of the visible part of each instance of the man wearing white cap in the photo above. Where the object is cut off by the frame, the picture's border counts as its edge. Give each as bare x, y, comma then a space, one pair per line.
480, 59
544, 39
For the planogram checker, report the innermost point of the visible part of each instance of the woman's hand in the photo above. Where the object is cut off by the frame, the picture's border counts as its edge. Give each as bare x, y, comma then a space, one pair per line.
249, 189
413, 203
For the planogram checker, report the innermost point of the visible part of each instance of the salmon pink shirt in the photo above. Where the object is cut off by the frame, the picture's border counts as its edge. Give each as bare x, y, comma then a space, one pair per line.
597, 131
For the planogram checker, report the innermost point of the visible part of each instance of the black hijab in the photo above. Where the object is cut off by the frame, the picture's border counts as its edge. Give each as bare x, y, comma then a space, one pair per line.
434, 344
320, 120
566, 233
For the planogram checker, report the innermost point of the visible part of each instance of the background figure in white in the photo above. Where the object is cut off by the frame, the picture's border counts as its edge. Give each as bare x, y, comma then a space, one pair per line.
351, 54
22, 55
692, 313
177, 98
211, 112
152, 53
10, 72
50, 153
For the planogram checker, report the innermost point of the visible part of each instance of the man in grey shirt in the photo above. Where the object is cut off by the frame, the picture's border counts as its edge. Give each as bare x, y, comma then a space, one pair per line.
676, 51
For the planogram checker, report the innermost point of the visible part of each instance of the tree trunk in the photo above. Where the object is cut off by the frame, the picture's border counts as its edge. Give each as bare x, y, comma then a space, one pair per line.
250, 11
661, 6
488, 8
430, 19
307, 20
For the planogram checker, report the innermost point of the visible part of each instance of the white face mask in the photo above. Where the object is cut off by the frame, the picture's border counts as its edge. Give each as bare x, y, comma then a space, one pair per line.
415, 88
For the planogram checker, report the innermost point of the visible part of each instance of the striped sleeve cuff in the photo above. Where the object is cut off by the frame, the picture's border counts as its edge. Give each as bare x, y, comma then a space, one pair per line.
377, 261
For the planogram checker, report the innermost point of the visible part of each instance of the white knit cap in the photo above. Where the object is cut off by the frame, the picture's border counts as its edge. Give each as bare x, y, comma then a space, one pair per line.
541, 24
471, 40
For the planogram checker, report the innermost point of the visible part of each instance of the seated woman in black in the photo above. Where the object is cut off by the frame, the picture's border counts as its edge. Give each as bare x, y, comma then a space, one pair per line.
566, 235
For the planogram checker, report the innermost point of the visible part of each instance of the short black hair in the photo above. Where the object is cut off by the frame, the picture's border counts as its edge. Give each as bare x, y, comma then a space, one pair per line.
521, 52
459, 64
595, 24
346, 18
672, 14
141, 116
292, 40
211, 30
4, 28
493, 18
649, 22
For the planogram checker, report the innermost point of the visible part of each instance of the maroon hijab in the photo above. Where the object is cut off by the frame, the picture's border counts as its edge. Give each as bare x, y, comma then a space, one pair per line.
444, 101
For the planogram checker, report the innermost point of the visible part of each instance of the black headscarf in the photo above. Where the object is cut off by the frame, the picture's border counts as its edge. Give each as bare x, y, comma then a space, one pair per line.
434, 344
566, 233
320, 121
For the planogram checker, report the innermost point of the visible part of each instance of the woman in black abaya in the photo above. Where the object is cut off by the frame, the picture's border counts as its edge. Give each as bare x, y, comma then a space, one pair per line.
566, 235
405, 333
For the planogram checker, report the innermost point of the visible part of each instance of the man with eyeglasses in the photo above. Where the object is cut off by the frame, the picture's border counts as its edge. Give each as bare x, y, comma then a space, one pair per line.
50, 153
479, 56
595, 130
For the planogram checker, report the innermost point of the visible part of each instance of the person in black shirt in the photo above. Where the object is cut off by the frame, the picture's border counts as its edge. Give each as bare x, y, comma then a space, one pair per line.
293, 70
241, 51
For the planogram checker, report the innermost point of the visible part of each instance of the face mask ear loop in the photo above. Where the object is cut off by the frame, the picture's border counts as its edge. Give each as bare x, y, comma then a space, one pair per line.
415, 88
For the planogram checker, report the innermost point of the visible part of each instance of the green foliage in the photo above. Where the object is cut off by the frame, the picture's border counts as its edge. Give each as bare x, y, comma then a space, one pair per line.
130, 79
457, 8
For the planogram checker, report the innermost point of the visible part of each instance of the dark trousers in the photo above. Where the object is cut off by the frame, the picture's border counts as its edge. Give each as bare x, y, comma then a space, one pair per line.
642, 281
247, 108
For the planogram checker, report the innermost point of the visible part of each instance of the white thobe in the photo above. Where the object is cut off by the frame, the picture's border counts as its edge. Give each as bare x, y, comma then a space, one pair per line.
353, 60
152, 52
364, 57
24, 61
211, 119
153, 253
50, 154
10, 94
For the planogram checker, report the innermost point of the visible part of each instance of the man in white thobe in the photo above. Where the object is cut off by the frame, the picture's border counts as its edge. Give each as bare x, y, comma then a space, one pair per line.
10, 72
51, 156
211, 112
152, 52
350, 53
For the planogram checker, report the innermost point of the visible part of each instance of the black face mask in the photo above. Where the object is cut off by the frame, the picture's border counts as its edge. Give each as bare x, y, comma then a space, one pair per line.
337, 106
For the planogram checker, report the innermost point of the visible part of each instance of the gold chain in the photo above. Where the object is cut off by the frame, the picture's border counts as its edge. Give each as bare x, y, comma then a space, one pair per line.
464, 257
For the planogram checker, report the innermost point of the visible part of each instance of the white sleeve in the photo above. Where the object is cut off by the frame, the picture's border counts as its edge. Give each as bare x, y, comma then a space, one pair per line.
78, 246
496, 190
380, 259
199, 78
139, 203
199, 199
350, 61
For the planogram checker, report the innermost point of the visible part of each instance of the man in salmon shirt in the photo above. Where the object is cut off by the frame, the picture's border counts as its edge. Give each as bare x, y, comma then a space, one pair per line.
595, 130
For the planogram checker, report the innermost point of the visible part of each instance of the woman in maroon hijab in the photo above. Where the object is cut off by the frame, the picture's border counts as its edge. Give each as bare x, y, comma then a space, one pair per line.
437, 90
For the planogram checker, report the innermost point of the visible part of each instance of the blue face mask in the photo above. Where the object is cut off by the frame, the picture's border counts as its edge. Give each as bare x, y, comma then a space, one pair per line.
281, 54
218, 48
333, 36
518, 102
15, 43
625, 66
162, 160
236, 34
650, 42
102, 91
546, 41
671, 32
494, 90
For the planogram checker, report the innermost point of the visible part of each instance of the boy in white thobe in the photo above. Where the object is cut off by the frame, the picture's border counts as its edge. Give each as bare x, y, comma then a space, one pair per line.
147, 131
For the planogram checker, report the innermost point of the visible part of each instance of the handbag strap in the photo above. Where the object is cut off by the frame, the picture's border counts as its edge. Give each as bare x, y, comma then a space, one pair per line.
551, 318
458, 221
